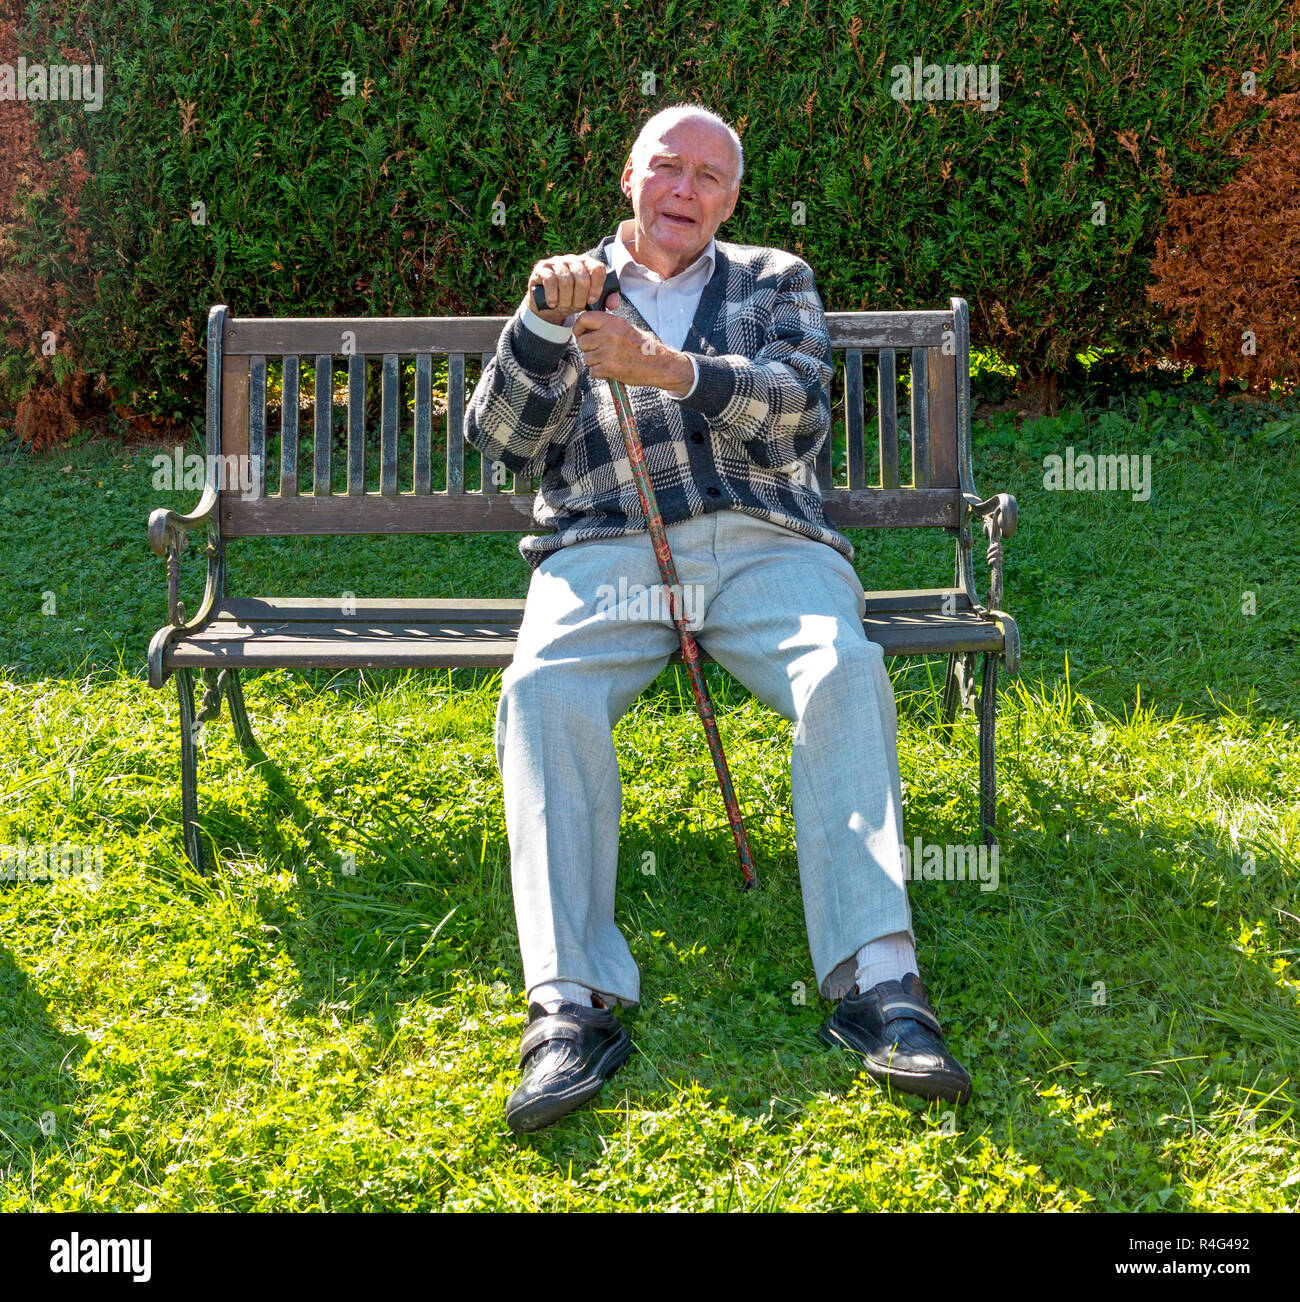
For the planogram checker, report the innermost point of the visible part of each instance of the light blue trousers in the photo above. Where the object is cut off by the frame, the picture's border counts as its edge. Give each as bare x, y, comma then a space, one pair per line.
783, 615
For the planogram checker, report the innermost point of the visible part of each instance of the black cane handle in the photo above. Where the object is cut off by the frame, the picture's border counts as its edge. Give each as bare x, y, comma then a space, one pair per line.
611, 287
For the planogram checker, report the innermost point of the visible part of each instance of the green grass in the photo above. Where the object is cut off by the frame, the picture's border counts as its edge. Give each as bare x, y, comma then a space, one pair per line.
286, 1033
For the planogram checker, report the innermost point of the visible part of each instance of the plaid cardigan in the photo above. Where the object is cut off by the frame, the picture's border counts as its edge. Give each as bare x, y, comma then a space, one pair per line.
744, 440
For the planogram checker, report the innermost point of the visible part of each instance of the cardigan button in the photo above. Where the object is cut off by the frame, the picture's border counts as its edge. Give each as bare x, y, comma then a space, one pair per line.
713, 492
697, 438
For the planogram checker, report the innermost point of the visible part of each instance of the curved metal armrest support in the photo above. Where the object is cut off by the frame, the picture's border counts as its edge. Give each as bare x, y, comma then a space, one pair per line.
169, 533
999, 514
167, 527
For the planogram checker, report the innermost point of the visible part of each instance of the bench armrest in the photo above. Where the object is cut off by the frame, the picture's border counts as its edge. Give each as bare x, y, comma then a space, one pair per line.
999, 516
169, 533
164, 524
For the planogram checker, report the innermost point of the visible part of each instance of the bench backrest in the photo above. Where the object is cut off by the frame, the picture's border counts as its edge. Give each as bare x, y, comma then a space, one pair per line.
924, 353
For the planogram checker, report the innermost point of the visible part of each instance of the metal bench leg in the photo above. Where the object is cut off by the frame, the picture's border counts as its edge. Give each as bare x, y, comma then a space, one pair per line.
238, 712
988, 776
958, 686
189, 768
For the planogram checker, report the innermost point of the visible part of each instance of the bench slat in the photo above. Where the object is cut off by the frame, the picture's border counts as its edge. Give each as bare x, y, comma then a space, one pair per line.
907, 633
234, 409
347, 646
324, 399
289, 427
374, 336
917, 599
257, 421
943, 419
456, 423
874, 330
352, 630
422, 473
853, 418
450, 610
388, 417
887, 400
919, 387
489, 611
307, 654
356, 425
513, 512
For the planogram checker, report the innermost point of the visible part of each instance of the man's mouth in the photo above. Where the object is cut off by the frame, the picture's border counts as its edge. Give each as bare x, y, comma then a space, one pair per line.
675, 219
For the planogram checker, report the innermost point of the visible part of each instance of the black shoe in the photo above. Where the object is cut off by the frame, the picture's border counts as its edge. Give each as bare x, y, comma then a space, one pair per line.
895, 1030
566, 1057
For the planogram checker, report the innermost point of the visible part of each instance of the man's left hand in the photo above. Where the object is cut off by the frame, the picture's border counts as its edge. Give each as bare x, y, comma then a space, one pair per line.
614, 349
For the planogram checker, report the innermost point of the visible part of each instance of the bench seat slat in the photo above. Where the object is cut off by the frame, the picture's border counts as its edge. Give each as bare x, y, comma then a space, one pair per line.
915, 634
451, 610
447, 632
348, 630
308, 654
490, 610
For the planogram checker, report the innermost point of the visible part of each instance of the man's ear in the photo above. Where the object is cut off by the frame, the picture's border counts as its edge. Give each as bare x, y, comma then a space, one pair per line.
626, 183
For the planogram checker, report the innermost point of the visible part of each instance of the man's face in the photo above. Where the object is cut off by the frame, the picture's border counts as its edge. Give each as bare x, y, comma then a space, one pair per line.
685, 188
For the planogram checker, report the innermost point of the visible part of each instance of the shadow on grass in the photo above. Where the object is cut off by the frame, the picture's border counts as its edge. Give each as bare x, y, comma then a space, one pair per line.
37, 1072
1090, 900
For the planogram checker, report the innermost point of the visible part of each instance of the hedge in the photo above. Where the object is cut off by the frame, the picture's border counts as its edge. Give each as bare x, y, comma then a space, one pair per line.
381, 201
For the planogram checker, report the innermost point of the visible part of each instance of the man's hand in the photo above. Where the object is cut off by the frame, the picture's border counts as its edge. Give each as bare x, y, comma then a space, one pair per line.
614, 349
572, 283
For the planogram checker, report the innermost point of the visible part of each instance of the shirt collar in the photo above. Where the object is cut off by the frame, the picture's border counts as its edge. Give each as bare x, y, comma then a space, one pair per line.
620, 258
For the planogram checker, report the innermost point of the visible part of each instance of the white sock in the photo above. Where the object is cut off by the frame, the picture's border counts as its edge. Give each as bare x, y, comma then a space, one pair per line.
890, 958
553, 993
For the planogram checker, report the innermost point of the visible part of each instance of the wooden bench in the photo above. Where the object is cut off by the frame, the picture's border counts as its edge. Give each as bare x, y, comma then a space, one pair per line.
229, 633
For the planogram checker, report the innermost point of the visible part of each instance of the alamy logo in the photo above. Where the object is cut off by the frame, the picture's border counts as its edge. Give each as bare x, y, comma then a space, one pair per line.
1086, 473
182, 471
946, 81
57, 861
951, 863
54, 81
77, 1256
634, 601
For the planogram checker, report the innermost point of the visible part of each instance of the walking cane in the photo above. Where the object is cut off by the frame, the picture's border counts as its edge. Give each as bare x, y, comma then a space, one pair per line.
668, 573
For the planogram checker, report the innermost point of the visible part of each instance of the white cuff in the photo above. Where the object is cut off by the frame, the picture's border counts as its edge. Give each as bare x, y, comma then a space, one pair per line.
681, 397
557, 334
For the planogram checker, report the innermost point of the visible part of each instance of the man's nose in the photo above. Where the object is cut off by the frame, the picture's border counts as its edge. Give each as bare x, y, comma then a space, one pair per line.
685, 187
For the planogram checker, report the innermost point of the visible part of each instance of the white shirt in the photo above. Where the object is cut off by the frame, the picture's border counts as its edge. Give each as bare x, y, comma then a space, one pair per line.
668, 305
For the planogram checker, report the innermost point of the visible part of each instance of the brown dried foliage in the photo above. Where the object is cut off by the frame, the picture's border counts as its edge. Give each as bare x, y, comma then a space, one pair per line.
32, 302
1229, 262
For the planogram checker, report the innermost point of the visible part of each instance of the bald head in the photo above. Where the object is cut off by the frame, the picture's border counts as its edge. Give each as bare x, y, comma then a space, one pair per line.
661, 123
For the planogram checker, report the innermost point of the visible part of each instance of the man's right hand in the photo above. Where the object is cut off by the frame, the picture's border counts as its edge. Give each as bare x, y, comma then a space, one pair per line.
572, 284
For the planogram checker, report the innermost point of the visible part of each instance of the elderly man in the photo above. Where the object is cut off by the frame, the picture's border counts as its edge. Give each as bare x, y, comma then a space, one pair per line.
726, 345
